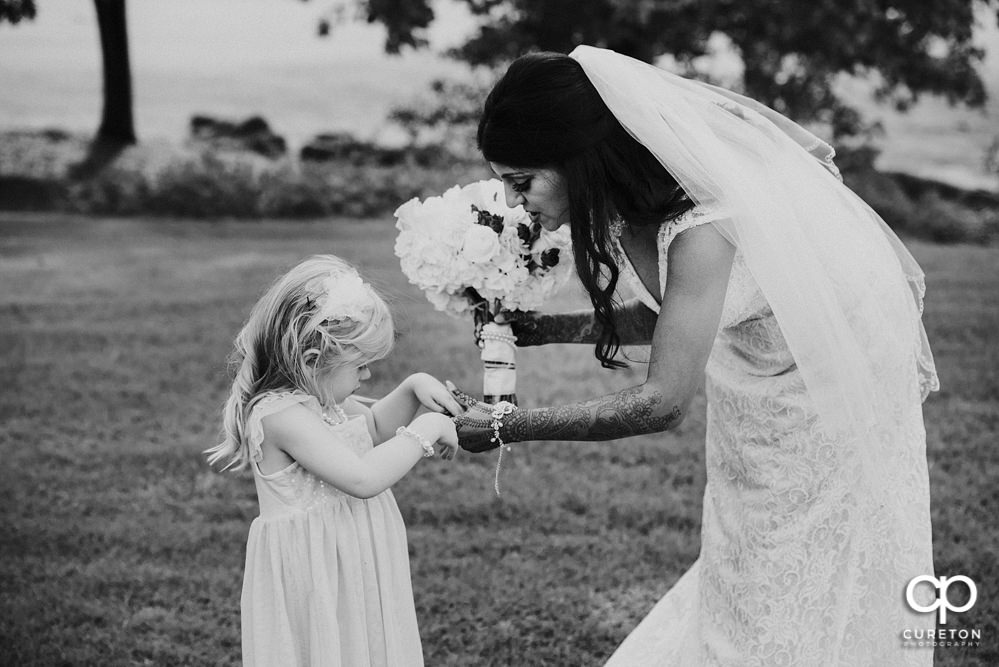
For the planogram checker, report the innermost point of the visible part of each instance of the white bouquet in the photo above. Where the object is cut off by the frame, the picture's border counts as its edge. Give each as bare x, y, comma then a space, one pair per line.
469, 253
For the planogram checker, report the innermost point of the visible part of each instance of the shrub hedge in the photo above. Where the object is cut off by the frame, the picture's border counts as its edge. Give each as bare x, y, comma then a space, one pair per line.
206, 183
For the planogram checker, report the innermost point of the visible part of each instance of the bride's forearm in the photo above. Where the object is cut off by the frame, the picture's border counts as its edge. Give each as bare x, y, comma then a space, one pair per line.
633, 411
578, 326
634, 322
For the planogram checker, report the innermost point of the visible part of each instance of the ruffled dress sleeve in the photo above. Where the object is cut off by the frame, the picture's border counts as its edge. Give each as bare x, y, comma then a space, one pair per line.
269, 404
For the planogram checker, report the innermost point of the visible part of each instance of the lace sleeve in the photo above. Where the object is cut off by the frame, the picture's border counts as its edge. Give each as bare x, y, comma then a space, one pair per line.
269, 404
699, 215
668, 231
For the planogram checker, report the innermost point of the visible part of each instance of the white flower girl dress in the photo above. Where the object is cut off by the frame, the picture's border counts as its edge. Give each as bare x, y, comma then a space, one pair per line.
327, 578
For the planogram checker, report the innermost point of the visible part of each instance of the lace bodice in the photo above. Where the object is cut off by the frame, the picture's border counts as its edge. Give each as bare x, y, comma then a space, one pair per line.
743, 299
294, 488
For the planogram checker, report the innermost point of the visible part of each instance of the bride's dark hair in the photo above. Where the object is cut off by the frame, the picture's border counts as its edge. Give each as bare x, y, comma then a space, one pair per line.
545, 113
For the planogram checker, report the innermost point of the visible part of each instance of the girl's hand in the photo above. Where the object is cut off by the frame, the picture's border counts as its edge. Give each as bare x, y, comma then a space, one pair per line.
448, 441
440, 429
433, 395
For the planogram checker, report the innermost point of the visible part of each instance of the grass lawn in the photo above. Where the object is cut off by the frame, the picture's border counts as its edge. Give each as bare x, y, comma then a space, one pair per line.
119, 546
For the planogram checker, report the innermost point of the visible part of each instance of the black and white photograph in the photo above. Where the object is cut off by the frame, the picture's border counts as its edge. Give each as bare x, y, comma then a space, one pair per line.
499, 333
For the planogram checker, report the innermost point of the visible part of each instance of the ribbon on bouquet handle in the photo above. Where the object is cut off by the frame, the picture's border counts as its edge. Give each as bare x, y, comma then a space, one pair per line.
499, 363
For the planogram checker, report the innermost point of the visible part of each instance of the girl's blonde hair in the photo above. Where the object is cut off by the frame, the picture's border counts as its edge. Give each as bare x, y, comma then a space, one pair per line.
317, 317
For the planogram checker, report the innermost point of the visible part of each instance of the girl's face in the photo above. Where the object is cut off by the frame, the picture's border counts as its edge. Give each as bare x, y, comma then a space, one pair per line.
344, 381
541, 192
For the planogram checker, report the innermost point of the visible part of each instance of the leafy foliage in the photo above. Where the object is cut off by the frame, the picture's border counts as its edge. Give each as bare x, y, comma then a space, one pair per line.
210, 183
792, 52
205, 183
991, 160
447, 114
15, 10
404, 20
487, 219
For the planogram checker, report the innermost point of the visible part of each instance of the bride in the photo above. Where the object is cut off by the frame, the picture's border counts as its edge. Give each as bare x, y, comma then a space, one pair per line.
760, 274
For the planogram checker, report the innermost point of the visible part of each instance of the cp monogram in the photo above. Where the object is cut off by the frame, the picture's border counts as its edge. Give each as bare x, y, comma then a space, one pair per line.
941, 603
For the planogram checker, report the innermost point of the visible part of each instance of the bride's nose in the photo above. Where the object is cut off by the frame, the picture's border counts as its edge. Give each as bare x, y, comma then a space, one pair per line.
513, 198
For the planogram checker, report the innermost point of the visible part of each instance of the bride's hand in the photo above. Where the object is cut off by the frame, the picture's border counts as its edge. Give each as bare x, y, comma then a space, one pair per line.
524, 324
475, 424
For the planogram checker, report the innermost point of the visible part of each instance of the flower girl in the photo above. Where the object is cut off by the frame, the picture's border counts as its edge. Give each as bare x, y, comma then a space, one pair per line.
327, 577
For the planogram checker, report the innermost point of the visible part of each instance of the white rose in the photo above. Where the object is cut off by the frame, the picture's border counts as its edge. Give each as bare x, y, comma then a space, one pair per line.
480, 244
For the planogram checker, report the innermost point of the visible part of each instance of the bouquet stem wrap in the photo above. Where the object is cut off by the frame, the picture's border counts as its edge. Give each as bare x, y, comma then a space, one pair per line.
499, 363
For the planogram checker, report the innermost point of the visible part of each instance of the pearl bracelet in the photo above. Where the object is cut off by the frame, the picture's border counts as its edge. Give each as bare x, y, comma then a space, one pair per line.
428, 447
500, 410
501, 337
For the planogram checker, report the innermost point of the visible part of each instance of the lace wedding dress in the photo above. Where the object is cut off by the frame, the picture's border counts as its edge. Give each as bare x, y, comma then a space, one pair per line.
801, 562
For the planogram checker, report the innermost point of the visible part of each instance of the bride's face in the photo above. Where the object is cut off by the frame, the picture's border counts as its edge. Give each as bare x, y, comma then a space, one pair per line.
541, 192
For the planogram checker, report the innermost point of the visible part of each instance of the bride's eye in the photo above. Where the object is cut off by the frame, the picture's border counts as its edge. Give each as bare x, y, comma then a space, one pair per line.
521, 186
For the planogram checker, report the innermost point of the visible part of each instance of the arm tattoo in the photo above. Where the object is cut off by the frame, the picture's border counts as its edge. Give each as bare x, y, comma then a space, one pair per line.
576, 327
633, 411
635, 324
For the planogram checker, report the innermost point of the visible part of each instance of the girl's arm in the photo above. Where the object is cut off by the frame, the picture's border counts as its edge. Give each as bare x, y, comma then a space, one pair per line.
302, 435
635, 324
699, 262
401, 404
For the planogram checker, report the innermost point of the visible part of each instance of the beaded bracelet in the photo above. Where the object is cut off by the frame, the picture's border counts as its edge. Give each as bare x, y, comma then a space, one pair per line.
428, 448
500, 410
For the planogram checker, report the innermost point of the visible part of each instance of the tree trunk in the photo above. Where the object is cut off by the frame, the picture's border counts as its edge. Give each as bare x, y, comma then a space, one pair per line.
117, 126
117, 129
